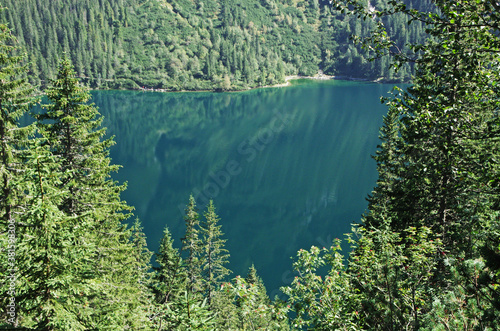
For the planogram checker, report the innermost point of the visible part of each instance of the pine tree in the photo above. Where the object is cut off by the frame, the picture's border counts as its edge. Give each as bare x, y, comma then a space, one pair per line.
254, 279
15, 100
142, 268
446, 163
178, 287
388, 167
261, 298
72, 130
54, 260
169, 282
192, 244
170, 277
142, 253
214, 255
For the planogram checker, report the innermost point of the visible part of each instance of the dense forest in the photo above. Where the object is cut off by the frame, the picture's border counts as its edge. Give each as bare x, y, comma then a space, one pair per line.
425, 255
187, 45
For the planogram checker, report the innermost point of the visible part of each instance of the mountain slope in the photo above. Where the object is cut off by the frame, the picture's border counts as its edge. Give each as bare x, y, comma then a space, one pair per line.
188, 45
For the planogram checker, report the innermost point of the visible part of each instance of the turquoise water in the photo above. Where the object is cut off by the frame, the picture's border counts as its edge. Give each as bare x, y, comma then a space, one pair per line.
287, 168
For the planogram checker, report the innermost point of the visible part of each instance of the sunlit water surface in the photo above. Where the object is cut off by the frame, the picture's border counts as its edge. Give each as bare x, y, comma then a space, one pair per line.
287, 168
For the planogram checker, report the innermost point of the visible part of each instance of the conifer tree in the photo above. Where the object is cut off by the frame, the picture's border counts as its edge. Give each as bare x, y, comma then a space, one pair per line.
253, 279
264, 313
388, 167
142, 253
177, 286
15, 100
54, 260
214, 255
447, 175
169, 278
169, 282
192, 244
142, 267
72, 130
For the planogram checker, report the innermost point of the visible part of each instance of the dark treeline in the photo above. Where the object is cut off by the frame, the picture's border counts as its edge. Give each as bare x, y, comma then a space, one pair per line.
209, 45
425, 256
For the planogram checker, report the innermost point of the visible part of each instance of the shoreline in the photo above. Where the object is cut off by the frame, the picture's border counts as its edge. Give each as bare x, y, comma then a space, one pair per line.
288, 79
319, 76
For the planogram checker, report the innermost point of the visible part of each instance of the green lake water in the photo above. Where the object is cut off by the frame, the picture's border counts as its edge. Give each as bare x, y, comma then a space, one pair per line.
287, 168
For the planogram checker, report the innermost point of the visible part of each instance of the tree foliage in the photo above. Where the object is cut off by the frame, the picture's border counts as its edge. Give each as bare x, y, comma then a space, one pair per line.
182, 45
424, 257
193, 245
213, 254
169, 282
77, 266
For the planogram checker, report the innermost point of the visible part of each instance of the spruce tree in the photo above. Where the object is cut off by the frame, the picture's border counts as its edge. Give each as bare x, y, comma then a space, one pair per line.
192, 244
214, 255
72, 129
169, 283
53, 258
388, 167
142, 253
169, 278
253, 279
142, 268
447, 175
15, 100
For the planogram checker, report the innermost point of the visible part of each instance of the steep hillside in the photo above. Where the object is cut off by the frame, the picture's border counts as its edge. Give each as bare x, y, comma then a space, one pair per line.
188, 45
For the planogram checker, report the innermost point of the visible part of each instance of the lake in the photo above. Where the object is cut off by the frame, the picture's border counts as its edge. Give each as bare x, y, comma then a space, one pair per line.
287, 168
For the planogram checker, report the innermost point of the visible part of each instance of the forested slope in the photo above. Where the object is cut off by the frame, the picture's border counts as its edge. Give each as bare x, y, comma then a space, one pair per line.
426, 255
187, 45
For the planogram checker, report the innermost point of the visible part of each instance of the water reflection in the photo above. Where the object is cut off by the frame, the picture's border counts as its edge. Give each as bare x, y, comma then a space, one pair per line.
287, 168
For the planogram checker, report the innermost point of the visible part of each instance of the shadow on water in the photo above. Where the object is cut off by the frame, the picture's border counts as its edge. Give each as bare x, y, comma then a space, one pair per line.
165, 144
287, 167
